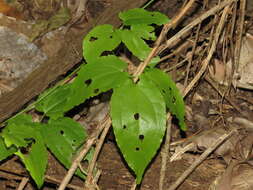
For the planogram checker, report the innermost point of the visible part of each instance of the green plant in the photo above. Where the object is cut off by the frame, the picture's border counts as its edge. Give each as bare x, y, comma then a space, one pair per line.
137, 109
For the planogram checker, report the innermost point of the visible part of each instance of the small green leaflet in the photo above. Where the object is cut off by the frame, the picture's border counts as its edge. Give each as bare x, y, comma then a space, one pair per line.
64, 137
102, 75
101, 38
139, 121
141, 16
23, 133
173, 98
6, 151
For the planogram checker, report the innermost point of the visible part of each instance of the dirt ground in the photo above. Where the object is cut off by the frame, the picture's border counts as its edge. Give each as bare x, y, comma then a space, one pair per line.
207, 110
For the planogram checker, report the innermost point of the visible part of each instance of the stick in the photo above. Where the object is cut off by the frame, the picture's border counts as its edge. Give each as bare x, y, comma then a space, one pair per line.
211, 52
201, 159
83, 152
194, 23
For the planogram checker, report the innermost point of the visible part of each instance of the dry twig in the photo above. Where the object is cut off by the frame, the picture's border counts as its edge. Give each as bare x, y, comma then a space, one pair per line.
201, 159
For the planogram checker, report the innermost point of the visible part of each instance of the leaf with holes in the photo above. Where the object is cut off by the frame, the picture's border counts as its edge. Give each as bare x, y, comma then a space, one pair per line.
64, 137
105, 74
139, 122
173, 98
52, 103
22, 133
6, 151
141, 16
101, 38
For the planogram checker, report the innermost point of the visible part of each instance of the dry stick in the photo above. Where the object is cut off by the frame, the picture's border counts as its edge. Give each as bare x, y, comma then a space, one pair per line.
239, 39
201, 159
23, 183
89, 180
165, 152
221, 94
83, 152
194, 23
211, 52
161, 37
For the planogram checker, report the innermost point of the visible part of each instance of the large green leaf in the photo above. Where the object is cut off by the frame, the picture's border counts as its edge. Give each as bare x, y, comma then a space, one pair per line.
106, 73
24, 134
101, 38
6, 151
53, 102
139, 122
173, 98
142, 16
63, 137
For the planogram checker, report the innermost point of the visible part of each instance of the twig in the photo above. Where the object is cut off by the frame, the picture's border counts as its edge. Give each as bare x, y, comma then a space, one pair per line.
89, 180
211, 52
194, 23
159, 40
201, 159
221, 94
239, 35
165, 153
23, 183
83, 152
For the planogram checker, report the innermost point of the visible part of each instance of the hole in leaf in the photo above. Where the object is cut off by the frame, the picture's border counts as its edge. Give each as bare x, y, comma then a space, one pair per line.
96, 91
61, 132
88, 82
163, 91
173, 100
170, 89
137, 148
141, 137
124, 126
152, 15
136, 116
92, 39
110, 36
24, 150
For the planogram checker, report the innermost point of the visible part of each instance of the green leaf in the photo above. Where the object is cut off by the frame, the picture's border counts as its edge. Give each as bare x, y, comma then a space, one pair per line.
53, 102
6, 151
24, 134
64, 137
101, 38
173, 98
134, 43
104, 74
139, 121
144, 31
139, 15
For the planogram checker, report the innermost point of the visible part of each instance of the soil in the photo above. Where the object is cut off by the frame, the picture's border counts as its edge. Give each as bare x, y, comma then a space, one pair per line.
116, 175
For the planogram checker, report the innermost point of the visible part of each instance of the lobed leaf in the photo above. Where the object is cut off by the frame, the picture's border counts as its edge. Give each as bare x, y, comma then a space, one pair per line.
100, 39
24, 134
139, 122
64, 137
173, 98
140, 15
